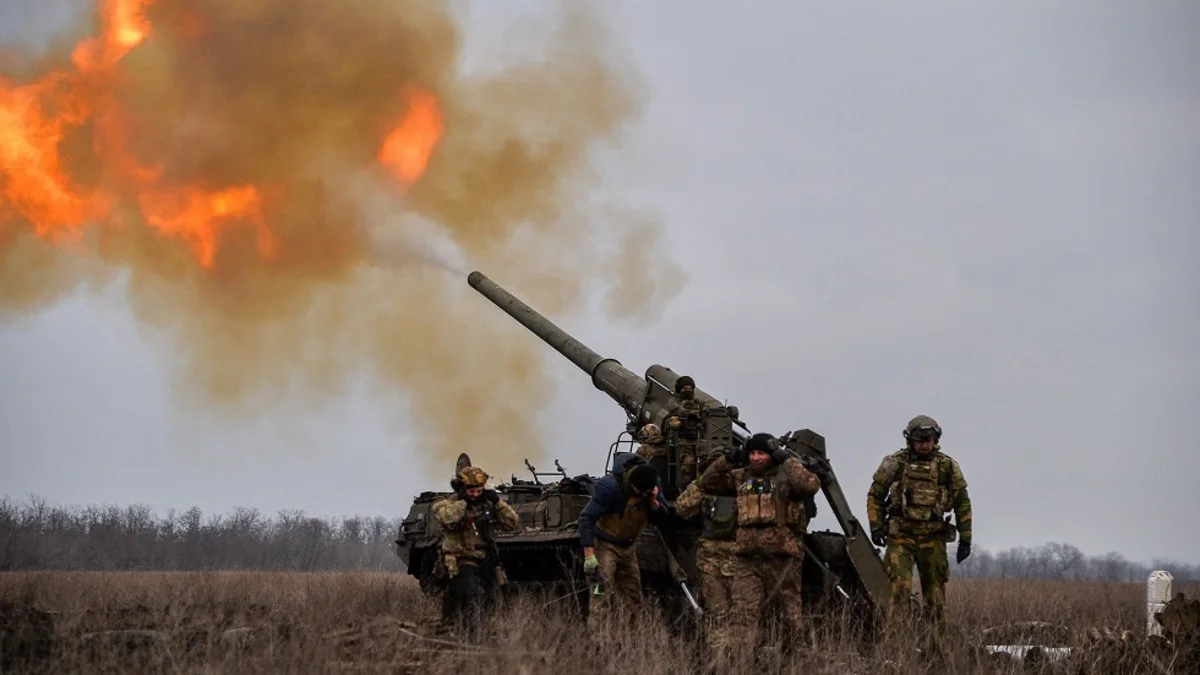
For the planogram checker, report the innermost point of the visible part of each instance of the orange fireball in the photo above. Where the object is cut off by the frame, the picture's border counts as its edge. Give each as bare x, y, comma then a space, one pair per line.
36, 185
407, 148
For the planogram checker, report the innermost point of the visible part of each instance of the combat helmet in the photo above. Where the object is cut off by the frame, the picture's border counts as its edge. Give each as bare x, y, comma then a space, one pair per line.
472, 477
922, 427
650, 433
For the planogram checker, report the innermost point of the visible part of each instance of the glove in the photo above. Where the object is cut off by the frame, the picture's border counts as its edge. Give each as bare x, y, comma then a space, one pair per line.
736, 456
879, 536
780, 456
491, 496
590, 565
964, 551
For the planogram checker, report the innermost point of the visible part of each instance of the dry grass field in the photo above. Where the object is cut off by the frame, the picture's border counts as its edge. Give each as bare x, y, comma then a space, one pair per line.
259, 622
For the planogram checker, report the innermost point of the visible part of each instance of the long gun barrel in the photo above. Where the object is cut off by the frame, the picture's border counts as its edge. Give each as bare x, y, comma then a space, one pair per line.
608, 375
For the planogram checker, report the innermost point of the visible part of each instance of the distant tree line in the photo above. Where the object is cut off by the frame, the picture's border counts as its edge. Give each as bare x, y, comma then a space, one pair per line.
1063, 561
35, 535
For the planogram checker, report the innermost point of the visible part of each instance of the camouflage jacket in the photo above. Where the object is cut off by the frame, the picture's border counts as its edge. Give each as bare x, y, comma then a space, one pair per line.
720, 520
912, 492
714, 557
650, 450
771, 518
687, 504
462, 523
683, 419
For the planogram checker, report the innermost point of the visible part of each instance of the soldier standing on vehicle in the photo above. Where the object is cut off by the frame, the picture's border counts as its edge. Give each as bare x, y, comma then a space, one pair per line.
685, 421
724, 576
652, 443
909, 492
771, 487
467, 559
622, 504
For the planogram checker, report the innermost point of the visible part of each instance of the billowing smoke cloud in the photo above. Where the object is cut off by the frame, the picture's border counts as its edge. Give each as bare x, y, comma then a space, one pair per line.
286, 184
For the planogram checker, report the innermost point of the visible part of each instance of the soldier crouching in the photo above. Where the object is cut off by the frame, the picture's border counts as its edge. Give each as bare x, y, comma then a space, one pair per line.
467, 561
623, 503
771, 487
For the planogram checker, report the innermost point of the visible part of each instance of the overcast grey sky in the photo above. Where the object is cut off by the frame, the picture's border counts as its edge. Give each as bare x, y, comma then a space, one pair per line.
986, 215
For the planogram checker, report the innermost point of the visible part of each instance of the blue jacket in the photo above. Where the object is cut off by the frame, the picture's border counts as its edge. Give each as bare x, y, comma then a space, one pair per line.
608, 507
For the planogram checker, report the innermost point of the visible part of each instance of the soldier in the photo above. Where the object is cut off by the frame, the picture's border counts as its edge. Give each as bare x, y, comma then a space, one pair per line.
771, 487
622, 503
684, 418
723, 575
909, 492
652, 443
467, 550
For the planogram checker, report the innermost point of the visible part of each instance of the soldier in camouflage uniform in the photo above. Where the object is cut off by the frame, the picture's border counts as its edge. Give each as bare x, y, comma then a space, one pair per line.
468, 519
722, 573
770, 487
909, 492
652, 443
685, 422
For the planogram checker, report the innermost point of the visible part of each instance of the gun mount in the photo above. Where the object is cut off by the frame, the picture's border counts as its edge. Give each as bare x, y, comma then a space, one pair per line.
839, 567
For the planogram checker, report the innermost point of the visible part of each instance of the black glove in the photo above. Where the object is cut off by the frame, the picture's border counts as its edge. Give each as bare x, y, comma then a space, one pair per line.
491, 496
780, 456
736, 456
964, 550
879, 536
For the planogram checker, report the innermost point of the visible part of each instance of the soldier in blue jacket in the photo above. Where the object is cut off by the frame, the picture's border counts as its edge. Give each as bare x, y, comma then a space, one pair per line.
623, 503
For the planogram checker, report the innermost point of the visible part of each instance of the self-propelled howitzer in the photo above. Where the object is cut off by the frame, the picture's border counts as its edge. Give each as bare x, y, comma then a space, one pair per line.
846, 563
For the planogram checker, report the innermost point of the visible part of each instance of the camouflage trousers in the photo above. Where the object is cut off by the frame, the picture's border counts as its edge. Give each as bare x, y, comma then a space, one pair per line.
777, 580
737, 591
618, 588
729, 618
928, 553
688, 471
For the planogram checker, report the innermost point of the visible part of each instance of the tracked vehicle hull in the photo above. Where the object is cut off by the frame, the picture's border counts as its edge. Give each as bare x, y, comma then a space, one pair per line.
544, 554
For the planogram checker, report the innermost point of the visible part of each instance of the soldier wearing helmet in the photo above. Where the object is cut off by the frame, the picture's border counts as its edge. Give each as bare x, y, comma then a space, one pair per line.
770, 488
685, 422
909, 493
469, 518
653, 444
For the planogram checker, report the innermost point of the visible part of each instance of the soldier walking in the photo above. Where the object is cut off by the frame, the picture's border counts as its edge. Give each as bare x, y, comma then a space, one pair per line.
724, 576
909, 492
770, 488
467, 558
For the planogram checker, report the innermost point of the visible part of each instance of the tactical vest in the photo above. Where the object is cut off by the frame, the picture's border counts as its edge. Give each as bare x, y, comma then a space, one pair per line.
720, 517
760, 505
623, 529
916, 493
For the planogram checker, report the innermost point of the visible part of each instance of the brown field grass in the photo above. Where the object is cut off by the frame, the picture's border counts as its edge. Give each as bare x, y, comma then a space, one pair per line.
258, 622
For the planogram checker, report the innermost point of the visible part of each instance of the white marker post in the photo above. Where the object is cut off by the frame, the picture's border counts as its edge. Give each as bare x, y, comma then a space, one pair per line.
1158, 593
